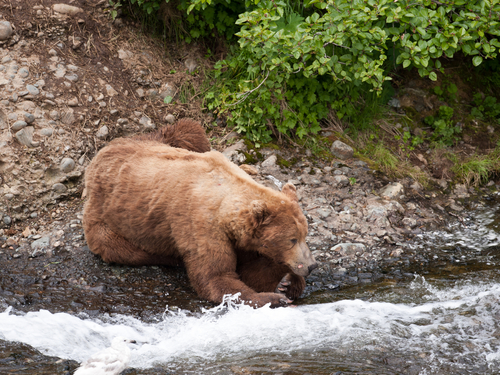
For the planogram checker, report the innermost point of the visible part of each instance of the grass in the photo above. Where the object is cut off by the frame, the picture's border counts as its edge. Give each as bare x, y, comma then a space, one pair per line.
477, 169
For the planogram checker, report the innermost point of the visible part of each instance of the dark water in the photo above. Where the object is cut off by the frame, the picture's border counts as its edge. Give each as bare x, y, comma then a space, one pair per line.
444, 321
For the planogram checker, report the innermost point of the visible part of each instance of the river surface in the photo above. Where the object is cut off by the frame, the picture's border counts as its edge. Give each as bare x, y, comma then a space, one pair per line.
443, 321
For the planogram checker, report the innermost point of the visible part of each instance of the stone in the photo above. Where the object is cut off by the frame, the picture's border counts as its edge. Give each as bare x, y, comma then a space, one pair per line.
270, 162
5, 30
67, 165
103, 132
28, 117
391, 191
190, 64
73, 102
349, 248
24, 72
18, 125
46, 132
71, 77
168, 90
342, 151
67, 9
250, 169
25, 137
59, 188
32, 90
54, 115
41, 243
409, 222
140, 93
341, 180
460, 191
111, 91
146, 122
7, 220
68, 117
170, 118
233, 151
323, 212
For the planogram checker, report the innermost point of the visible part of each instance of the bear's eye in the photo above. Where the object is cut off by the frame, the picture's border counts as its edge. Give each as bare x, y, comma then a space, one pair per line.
294, 241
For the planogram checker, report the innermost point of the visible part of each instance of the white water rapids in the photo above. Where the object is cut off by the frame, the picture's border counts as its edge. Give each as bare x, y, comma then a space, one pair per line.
444, 322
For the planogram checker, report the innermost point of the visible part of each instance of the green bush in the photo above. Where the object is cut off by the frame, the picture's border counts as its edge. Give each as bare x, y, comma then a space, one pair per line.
445, 133
299, 59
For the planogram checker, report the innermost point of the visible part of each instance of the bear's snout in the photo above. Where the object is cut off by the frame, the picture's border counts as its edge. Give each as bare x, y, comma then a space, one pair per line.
312, 267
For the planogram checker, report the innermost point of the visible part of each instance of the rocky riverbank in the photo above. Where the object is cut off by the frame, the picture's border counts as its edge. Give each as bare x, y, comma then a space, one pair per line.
66, 90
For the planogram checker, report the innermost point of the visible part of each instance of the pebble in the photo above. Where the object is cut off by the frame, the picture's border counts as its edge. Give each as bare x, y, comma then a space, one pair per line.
270, 162
342, 151
46, 132
67, 165
67, 9
59, 188
24, 72
102, 132
25, 137
32, 90
7, 220
170, 118
5, 30
18, 125
28, 117
71, 77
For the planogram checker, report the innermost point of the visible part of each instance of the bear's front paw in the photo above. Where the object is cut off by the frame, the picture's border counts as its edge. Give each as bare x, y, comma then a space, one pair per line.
284, 285
275, 299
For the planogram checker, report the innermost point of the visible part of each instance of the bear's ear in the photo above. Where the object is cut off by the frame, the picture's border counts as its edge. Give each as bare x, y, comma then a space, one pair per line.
290, 191
259, 212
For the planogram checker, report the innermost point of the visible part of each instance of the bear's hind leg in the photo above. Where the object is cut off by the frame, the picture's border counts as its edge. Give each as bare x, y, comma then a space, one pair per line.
115, 249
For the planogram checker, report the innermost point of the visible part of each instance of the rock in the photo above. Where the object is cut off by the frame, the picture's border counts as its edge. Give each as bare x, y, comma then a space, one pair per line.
409, 222
7, 220
443, 184
4, 123
103, 132
341, 180
190, 64
71, 77
146, 122
68, 117
342, 151
416, 186
67, 165
18, 125
59, 188
25, 137
46, 132
168, 89
5, 30
41, 243
391, 191
270, 162
323, 212
460, 191
67, 9
28, 117
54, 115
140, 93
32, 90
170, 118
233, 152
24, 72
349, 248
124, 55
111, 91
73, 102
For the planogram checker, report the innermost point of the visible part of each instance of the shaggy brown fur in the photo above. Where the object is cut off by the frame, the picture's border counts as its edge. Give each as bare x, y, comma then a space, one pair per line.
185, 133
153, 204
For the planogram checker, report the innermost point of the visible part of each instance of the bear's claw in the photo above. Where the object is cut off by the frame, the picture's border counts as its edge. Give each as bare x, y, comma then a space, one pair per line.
283, 285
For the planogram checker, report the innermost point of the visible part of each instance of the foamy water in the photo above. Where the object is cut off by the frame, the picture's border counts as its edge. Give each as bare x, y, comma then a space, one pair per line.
444, 322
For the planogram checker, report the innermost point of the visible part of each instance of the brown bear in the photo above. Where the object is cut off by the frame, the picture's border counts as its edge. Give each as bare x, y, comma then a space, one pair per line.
151, 204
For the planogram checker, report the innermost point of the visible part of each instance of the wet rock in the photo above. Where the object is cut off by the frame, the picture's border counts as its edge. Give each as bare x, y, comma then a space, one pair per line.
5, 30
342, 151
18, 125
460, 191
391, 191
67, 9
67, 165
103, 132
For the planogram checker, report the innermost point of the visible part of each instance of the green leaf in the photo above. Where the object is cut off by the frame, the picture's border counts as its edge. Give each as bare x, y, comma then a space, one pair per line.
433, 76
406, 63
168, 99
477, 60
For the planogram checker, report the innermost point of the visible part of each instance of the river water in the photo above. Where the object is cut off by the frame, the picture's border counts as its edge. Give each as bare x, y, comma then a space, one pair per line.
438, 323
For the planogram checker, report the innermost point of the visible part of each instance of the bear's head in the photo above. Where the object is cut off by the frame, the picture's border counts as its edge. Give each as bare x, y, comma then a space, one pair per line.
279, 230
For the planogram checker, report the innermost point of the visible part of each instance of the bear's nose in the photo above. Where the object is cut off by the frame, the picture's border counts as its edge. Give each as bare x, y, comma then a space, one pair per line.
312, 267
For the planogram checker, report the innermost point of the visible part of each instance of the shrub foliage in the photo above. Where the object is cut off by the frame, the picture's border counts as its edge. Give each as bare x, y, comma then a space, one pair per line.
296, 60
